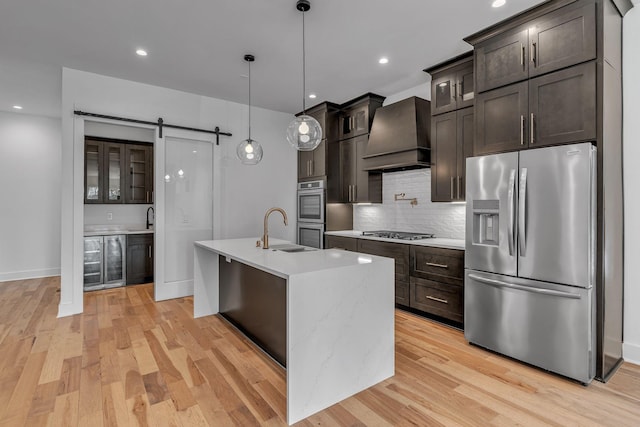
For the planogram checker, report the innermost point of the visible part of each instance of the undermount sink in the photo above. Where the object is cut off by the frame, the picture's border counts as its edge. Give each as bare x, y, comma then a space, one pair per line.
291, 248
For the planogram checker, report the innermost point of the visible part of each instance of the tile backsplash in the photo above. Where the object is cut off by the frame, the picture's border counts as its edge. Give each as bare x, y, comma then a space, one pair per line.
443, 219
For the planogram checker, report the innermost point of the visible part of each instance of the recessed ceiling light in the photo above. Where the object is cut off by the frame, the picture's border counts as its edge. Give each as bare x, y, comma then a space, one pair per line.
383, 60
498, 3
312, 95
17, 107
141, 52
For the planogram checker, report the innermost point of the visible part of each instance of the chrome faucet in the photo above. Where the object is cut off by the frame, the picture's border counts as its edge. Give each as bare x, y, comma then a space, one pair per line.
265, 236
149, 224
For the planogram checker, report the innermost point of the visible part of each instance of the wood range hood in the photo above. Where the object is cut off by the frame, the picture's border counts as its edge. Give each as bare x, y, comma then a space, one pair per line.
400, 137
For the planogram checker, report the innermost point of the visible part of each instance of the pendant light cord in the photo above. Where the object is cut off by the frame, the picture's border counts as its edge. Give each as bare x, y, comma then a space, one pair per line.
304, 77
249, 102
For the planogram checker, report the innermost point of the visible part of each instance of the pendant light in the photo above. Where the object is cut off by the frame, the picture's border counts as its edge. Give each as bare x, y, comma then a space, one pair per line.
249, 151
304, 132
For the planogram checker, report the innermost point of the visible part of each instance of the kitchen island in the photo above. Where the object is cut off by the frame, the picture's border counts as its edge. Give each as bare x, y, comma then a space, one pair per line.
338, 325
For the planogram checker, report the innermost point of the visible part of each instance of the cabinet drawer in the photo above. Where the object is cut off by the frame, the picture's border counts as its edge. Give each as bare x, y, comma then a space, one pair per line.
437, 298
397, 251
402, 293
339, 242
435, 263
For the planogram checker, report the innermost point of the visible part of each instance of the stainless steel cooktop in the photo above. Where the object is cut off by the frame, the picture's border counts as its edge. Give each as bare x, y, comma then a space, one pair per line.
401, 235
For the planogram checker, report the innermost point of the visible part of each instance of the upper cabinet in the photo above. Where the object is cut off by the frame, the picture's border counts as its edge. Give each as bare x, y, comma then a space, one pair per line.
347, 179
312, 164
357, 115
139, 175
556, 40
117, 172
452, 86
452, 126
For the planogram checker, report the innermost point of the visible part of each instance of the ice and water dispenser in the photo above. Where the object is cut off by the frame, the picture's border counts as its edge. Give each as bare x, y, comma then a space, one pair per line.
486, 222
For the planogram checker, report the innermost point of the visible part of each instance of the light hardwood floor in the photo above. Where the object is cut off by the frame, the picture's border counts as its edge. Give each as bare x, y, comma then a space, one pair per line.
130, 361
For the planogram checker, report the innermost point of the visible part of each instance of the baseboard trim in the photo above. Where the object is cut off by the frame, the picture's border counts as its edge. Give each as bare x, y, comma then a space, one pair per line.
173, 290
631, 353
29, 274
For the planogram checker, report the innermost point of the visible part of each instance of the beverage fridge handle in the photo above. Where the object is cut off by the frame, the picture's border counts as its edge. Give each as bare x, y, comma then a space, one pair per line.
512, 208
522, 213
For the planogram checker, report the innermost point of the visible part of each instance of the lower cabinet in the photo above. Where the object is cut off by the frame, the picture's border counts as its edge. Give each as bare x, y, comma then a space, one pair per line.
338, 242
437, 282
438, 298
139, 258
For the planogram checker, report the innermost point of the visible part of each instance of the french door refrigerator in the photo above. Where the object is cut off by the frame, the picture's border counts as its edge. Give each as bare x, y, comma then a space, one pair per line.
530, 257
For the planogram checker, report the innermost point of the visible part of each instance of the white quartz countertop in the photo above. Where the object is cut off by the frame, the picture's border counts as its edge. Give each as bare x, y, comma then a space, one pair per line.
436, 242
285, 264
110, 230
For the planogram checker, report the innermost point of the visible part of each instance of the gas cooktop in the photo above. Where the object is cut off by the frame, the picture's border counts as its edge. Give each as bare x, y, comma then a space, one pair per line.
402, 235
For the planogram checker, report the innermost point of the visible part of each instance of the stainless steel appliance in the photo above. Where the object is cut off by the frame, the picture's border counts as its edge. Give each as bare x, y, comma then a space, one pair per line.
311, 213
105, 259
401, 235
530, 257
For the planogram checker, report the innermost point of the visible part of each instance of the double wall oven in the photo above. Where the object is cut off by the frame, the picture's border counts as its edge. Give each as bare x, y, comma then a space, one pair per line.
311, 213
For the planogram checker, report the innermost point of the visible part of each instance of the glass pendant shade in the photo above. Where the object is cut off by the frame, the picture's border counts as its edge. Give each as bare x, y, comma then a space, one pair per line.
304, 133
249, 152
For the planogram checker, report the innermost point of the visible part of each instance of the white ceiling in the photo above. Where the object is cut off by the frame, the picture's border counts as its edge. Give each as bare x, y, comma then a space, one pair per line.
198, 46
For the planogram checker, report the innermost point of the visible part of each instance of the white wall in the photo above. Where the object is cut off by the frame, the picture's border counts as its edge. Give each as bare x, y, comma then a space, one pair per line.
246, 192
631, 71
442, 219
30, 196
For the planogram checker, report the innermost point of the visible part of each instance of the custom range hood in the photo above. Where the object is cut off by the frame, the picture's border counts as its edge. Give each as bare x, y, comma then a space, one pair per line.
400, 136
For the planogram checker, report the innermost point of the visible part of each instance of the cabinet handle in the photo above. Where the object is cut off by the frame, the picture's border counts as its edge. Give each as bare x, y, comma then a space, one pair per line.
433, 264
444, 301
532, 124
461, 90
451, 190
534, 54
522, 55
349, 193
521, 129
459, 179
455, 91
149, 251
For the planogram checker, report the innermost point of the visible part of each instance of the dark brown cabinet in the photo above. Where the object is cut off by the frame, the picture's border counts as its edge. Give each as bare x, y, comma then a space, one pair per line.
452, 138
347, 179
556, 40
117, 172
400, 253
104, 167
452, 126
452, 88
139, 175
357, 115
436, 285
312, 164
556, 108
358, 185
339, 242
139, 258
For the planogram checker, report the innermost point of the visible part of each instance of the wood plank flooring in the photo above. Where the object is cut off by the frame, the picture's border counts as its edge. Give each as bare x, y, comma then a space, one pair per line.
128, 361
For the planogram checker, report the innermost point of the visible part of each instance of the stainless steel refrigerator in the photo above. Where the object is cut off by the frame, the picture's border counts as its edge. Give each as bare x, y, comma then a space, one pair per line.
530, 257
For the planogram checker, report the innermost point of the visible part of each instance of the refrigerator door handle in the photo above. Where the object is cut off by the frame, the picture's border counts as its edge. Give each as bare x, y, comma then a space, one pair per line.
512, 190
522, 213
501, 284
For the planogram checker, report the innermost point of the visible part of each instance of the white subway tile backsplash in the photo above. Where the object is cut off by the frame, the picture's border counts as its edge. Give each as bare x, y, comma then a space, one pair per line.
443, 219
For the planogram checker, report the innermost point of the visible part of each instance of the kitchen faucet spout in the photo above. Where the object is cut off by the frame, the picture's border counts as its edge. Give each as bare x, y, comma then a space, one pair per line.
265, 236
149, 223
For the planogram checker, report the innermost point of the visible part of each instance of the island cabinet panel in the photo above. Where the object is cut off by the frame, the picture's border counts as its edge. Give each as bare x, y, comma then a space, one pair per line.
256, 303
436, 285
339, 242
